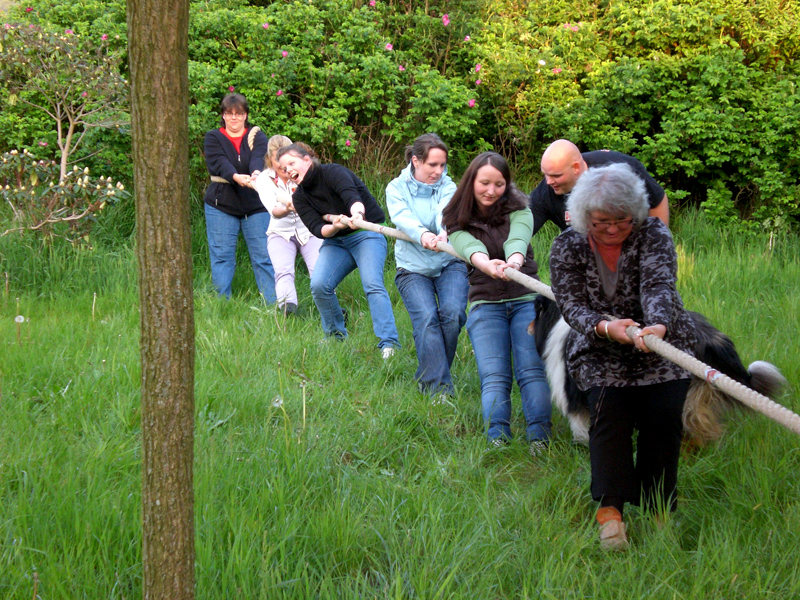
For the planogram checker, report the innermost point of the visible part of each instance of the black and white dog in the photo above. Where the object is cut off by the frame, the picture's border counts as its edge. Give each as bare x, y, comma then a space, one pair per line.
705, 405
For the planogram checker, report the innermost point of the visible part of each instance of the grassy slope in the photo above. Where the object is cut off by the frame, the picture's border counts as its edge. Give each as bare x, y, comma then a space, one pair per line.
376, 493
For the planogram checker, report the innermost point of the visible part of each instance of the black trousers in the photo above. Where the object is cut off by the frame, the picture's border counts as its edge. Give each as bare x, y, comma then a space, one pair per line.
655, 411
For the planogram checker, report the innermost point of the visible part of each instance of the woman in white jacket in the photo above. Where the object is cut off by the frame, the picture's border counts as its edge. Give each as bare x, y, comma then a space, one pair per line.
286, 234
433, 285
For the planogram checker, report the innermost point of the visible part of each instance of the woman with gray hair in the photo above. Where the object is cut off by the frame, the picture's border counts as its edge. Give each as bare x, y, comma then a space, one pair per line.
614, 268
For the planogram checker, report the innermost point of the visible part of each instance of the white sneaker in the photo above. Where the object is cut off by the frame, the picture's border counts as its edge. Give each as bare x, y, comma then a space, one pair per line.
538, 448
387, 352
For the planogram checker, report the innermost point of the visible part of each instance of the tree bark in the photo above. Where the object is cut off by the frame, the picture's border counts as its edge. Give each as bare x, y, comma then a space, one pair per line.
157, 52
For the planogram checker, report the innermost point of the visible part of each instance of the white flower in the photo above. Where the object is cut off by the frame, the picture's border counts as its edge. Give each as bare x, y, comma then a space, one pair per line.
277, 402
542, 62
19, 319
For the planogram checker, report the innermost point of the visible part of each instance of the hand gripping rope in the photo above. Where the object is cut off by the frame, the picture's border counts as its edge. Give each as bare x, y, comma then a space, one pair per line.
742, 393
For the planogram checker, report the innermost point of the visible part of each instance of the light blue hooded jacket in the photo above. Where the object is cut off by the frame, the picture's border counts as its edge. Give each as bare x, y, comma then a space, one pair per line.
415, 208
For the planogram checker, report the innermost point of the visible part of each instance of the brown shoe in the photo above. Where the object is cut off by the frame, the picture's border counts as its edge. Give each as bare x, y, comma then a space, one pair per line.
612, 529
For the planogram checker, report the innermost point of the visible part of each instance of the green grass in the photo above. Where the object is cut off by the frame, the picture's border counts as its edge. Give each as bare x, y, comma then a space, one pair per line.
376, 492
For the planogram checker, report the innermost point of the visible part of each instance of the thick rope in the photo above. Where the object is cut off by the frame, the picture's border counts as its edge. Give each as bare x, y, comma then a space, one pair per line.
699, 369
512, 274
742, 393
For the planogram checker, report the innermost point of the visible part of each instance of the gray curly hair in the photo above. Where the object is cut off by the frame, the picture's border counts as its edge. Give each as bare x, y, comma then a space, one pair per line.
613, 189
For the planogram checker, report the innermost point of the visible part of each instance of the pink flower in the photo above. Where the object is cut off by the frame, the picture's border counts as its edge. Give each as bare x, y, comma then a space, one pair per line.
477, 67
347, 143
574, 28
446, 19
372, 2
477, 82
231, 88
284, 54
279, 93
84, 94
68, 31
265, 25
29, 9
471, 103
104, 37
402, 68
6, 26
43, 143
273, 75
466, 38
557, 70
388, 47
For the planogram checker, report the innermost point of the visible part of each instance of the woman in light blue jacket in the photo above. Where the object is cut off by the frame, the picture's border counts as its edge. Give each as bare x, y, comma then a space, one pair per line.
433, 285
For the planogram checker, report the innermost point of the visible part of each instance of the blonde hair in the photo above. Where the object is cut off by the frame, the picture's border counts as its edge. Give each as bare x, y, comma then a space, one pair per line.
276, 142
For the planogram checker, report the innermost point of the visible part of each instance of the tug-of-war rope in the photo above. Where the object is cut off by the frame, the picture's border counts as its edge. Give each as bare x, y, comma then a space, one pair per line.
742, 393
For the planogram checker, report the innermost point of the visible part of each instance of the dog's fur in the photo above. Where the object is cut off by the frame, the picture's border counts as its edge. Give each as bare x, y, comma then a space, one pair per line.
705, 405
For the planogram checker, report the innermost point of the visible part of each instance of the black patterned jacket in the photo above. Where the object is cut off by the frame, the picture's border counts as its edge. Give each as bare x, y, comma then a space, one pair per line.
646, 292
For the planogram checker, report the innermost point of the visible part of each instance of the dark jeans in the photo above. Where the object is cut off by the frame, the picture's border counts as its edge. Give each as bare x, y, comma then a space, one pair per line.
438, 310
655, 411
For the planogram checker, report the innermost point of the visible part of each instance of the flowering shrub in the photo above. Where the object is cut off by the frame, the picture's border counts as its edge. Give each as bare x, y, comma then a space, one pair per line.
41, 201
74, 80
704, 93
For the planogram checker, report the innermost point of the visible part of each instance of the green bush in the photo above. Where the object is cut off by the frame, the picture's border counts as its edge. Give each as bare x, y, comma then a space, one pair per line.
705, 94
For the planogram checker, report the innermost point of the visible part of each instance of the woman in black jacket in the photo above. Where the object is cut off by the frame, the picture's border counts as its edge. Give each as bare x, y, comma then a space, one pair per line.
325, 194
234, 153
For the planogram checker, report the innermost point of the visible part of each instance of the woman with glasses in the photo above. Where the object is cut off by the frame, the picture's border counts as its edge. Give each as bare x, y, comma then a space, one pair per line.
234, 156
616, 267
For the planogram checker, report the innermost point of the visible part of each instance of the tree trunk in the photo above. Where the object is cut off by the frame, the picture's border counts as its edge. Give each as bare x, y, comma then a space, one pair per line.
157, 51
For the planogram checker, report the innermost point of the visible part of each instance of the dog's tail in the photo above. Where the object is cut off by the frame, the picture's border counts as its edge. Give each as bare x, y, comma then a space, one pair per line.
765, 378
706, 406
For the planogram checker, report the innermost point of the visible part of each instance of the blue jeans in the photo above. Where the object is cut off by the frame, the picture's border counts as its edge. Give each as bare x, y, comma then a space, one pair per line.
365, 251
498, 332
438, 310
223, 230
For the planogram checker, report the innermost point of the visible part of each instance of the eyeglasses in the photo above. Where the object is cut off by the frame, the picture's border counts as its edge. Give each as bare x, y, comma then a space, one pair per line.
620, 224
232, 115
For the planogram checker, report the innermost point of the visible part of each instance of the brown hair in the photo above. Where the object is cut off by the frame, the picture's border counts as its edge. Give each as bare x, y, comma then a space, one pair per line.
462, 207
423, 145
234, 101
301, 149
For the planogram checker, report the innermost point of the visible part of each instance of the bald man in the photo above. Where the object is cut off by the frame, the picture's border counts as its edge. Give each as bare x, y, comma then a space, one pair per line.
563, 164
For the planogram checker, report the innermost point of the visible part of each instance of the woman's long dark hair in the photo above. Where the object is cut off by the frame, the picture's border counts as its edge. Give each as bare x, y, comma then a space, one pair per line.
463, 208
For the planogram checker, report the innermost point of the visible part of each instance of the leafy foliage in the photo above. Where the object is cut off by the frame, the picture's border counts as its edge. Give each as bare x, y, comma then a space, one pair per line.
704, 93
73, 80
